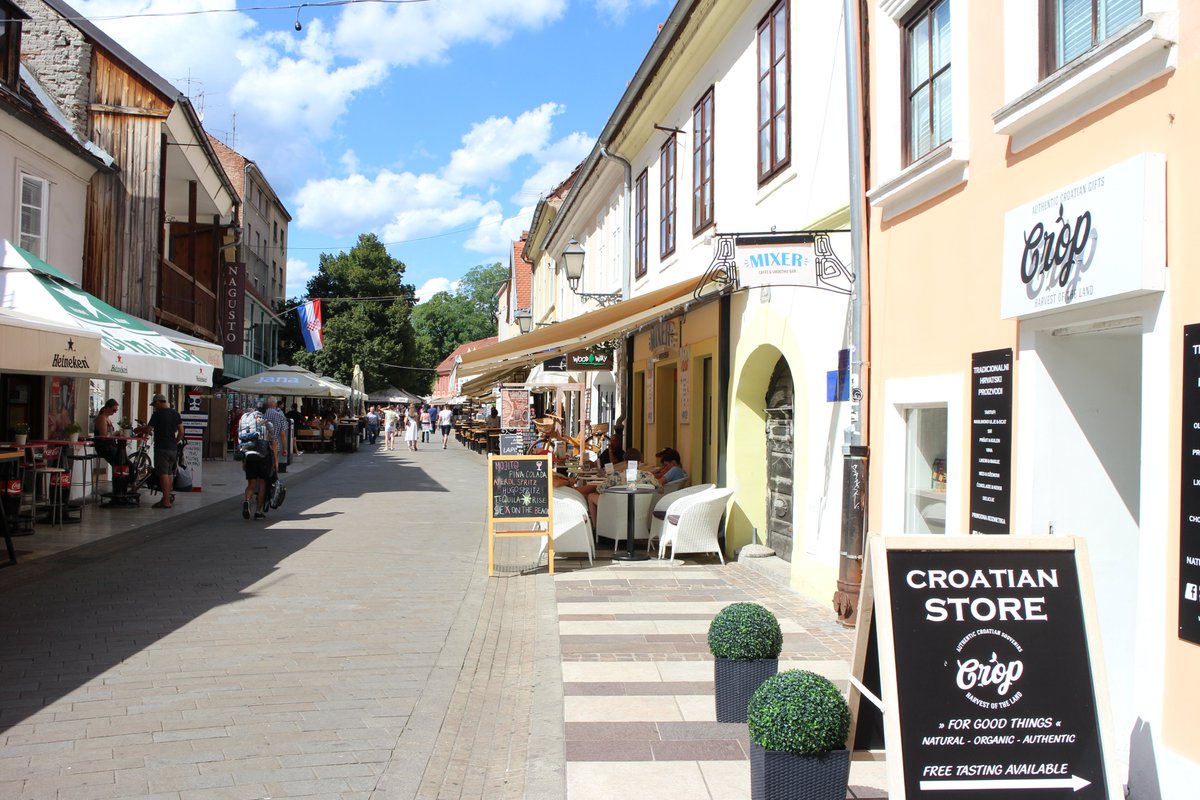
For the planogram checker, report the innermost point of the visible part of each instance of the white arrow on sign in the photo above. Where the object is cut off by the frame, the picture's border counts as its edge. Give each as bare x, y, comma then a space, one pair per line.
1074, 783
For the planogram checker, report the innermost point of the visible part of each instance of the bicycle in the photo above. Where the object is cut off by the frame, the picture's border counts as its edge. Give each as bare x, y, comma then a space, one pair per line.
141, 468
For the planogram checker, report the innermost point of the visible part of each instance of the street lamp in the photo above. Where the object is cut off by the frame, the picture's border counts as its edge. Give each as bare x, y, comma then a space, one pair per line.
524, 317
572, 261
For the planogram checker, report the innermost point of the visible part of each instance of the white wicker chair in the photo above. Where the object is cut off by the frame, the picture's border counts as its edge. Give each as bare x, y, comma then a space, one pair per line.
658, 516
675, 485
572, 529
695, 528
612, 516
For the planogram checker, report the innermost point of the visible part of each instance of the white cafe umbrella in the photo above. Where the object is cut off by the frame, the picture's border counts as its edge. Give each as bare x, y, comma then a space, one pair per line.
129, 349
290, 381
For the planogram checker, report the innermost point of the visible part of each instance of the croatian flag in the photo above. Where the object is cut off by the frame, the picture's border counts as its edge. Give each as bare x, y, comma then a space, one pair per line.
310, 325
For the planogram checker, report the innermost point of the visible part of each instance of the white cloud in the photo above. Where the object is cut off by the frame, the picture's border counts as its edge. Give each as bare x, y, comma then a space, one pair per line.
496, 233
557, 161
299, 273
435, 285
491, 147
617, 10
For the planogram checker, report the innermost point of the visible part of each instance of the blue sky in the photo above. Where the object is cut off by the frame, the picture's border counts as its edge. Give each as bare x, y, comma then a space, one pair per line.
435, 124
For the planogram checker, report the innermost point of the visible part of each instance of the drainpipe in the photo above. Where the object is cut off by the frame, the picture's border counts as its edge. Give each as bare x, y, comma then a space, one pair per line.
855, 454
625, 270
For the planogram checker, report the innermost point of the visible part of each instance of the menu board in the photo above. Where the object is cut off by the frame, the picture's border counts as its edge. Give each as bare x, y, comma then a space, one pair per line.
514, 408
1189, 493
519, 487
986, 655
991, 440
512, 444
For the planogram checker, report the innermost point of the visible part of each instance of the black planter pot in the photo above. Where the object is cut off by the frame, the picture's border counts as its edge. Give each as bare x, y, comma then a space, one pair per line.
735, 682
776, 775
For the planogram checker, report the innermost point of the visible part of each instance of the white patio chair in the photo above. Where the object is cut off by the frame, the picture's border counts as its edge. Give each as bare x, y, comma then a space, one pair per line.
658, 516
572, 529
612, 520
675, 485
694, 530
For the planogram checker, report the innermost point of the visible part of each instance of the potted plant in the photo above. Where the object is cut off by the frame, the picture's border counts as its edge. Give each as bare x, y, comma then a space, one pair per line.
73, 430
21, 432
799, 723
745, 641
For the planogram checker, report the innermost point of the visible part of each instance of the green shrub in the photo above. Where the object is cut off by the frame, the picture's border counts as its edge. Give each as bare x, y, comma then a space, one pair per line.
799, 712
745, 631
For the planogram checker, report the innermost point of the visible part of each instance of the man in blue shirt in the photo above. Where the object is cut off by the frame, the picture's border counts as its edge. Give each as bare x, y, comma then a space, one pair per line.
668, 466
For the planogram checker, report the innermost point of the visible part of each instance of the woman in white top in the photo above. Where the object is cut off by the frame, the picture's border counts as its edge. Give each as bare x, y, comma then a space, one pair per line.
411, 427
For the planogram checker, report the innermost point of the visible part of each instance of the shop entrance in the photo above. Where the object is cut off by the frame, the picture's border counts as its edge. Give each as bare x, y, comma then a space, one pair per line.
666, 409
780, 455
1086, 476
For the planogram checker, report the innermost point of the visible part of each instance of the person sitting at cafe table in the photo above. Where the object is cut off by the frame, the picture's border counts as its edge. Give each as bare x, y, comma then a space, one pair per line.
617, 478
668, 468
102, 430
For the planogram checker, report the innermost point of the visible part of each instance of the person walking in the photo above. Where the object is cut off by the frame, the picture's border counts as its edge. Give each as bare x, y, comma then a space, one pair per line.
372, 424
279, 429
391, 418
411, 428
445, 420
426, 425
258, 459
168, 435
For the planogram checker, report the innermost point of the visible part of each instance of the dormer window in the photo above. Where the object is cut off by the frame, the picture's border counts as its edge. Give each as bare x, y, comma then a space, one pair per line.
10, 43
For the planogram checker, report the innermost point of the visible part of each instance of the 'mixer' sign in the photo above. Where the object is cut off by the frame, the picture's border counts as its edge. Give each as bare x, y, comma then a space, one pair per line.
1099, 238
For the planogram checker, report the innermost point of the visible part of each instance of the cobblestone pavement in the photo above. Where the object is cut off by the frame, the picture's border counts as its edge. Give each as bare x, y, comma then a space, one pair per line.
350, 646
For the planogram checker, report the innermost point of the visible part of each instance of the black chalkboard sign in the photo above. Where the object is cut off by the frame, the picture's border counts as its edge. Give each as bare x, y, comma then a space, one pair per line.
991, 440
1189, 491
512, 444
519, 487
985, 652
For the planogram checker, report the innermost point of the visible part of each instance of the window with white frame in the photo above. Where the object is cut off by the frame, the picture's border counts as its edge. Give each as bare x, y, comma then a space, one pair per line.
925, 470
928, 98
774, 86
34, 205
1076, 26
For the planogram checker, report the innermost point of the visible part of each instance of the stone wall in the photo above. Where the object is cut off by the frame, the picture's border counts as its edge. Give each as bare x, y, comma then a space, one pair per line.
59, 56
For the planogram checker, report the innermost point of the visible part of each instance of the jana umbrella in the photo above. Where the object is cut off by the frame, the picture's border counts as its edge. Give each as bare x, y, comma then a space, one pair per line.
283, 379
129, 349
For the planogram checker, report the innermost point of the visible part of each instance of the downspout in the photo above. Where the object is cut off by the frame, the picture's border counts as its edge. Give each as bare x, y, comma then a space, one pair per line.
625, 270
855, 453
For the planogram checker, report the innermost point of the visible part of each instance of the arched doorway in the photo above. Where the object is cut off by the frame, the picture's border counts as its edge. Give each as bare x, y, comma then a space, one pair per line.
780, 455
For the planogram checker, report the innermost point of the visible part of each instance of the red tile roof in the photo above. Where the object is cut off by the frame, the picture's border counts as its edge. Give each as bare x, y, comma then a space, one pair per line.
521, 274
448, 362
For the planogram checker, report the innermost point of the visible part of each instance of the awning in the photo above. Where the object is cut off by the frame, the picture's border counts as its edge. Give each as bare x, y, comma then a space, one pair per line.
130, 350
480, 386
41, 348
290, 381
392, 395
210, 352
578, 333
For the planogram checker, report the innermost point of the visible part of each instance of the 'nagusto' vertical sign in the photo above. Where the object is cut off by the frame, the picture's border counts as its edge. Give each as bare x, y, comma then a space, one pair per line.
986, 652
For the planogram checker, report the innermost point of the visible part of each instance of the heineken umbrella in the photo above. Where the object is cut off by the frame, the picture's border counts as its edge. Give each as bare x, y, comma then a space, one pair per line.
283, 379
129, 349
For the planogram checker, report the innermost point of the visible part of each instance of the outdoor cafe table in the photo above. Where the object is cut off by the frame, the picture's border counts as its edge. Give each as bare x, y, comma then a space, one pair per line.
63, 443
630, 492
121, 494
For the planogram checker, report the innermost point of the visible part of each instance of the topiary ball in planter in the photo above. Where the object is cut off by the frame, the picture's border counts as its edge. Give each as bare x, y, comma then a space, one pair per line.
745, 641
799, 723
745, 631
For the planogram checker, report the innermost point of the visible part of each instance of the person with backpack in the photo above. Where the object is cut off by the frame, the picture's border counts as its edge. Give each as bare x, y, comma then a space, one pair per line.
259, 459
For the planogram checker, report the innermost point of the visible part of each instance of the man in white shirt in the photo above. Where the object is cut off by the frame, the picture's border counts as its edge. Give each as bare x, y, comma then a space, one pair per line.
445, 418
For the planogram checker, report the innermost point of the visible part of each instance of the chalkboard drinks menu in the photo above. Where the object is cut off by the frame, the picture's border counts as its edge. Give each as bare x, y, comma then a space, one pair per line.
520, 487
1189, 492
986, 655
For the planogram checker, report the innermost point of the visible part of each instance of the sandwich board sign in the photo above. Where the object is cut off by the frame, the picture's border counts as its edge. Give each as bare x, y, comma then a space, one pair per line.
520, 490
989, 667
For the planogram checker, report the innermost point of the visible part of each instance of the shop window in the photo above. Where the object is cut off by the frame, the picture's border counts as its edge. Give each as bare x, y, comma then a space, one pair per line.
666, 198
641, 226
774, 86
35, 194
928, 100
1076, 26
702, 163
925, 470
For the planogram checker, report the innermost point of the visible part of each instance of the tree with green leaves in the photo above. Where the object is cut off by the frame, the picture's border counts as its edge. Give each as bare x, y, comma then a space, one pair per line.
367, 309
449, 319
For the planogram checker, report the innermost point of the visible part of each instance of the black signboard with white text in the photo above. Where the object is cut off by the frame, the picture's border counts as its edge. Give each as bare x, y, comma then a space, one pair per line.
986, 661
1189, 494
991, 440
